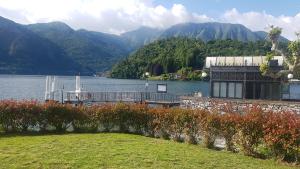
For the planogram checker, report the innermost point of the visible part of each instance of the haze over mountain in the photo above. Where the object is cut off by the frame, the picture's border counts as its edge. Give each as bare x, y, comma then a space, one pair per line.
94, 51
142, 36
201, 31
56, 48
24, 52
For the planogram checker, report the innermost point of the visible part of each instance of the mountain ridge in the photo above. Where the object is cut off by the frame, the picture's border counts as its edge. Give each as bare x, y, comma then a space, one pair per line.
21, 51
56, 48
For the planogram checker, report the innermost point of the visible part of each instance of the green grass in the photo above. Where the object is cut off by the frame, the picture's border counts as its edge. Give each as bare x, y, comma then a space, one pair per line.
116, 151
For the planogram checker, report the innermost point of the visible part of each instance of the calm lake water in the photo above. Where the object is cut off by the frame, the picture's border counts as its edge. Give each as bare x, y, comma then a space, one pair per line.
33, 87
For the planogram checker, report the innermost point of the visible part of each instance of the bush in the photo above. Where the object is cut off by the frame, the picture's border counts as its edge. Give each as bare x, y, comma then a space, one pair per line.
85, 119
278, 133
282, 135
192, 130
28, 113
106, 116
161, 123
178, 123
8, 115
210, 127
228, 128
17, 116
57, 115
139, 118
250, 130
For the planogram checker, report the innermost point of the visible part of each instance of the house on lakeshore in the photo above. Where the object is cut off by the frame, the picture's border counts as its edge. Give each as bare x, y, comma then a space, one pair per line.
239, 77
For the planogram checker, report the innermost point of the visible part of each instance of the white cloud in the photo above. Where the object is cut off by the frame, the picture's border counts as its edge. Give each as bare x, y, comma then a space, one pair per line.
113, 16
117, 16
258, 21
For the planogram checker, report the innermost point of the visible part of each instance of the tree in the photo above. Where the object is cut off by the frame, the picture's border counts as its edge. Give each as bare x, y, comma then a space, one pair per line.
292, 62
170, 55
294, 48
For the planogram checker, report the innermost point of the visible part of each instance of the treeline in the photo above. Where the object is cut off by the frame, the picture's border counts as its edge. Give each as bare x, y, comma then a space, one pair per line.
252, 131
170, 55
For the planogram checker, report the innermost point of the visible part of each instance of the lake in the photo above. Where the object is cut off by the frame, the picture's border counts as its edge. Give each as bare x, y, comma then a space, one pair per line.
33, 87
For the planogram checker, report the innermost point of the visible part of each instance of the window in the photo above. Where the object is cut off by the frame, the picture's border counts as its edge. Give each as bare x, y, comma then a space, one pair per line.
231, 87
223, 89
216, 89
238, 90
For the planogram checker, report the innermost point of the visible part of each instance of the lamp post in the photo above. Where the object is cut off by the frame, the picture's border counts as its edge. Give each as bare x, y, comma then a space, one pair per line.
147, 84
203, 74
290, 77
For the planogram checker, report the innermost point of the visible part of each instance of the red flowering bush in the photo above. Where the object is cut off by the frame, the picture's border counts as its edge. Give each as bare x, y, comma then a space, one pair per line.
162, 120
250, 129
8, 115
179, 123
19, 115
27, 114
228, 128
57, 115
191, 130
85, 119
209, 124
282, 135
280, 132
108, 119
139, 118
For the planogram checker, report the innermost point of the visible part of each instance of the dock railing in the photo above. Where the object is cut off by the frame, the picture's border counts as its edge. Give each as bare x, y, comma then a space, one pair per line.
120, 97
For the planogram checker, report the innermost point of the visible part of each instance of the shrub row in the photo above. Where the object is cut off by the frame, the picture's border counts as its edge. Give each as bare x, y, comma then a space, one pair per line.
246, 131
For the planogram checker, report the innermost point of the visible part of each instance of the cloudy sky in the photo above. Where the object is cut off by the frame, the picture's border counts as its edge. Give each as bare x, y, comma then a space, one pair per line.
118, 16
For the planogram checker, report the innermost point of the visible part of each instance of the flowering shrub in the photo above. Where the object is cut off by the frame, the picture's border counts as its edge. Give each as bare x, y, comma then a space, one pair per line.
161, 123
282, 135
106, 116
250, 129
280, 132
178, 123
57, 115
18, 116
85, 119
228, 128
209, 125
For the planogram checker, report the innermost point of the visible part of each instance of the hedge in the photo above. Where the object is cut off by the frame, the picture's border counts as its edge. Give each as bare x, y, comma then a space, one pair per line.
245, 131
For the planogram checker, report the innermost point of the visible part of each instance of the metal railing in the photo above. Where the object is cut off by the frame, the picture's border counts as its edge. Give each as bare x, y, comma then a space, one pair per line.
120, 97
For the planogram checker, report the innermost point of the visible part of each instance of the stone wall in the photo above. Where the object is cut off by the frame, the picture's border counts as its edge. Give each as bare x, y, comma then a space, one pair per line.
238, 105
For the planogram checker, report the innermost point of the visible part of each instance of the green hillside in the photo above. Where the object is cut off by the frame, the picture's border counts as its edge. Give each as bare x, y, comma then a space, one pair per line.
173, 54
56, 48
94, 51
24, 52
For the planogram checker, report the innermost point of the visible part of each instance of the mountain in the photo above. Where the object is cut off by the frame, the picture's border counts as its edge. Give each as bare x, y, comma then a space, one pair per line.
173, 55
264, 36
24, 52
214, 31
141, 36
56, 48
94, 51
202, 31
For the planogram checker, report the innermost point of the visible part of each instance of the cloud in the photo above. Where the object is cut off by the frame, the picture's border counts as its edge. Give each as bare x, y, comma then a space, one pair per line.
113, 16
258, 21
118, 16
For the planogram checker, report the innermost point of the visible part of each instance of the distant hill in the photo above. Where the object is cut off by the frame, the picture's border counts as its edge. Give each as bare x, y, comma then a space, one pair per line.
94, 51
142, 36
24, 52
264, 36
56, 48
211, 31
201, 31
174, 54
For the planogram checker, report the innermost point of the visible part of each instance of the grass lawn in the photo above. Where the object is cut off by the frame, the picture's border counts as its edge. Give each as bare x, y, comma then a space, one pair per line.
116, 151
